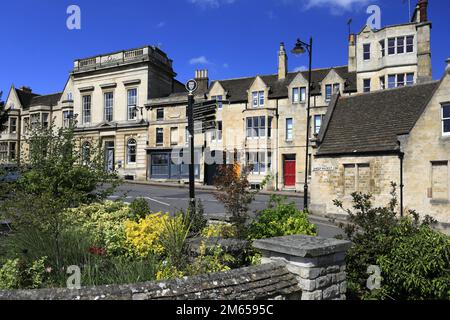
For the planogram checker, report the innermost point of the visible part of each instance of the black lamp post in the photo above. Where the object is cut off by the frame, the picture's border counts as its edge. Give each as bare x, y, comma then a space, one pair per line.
301, 48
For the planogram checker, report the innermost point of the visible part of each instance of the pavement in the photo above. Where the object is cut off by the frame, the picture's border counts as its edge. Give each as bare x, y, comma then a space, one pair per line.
172, 198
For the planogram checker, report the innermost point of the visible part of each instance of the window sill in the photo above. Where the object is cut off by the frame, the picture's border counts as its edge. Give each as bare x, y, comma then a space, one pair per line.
440, 202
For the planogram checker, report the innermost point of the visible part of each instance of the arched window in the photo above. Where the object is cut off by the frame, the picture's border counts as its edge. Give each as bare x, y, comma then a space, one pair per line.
86, 152
131, 151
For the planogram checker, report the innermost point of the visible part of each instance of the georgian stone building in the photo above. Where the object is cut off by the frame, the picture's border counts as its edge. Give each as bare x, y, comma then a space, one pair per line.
131, 102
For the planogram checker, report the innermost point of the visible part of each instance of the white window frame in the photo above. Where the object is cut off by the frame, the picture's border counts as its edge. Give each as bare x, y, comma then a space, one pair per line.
443, 120
107, 107
318, 116
258, 99
328, 97
87, 119
132, 108
129, 145
383, 83
15, 125
394, 46
383, 48
289, 130
406, 44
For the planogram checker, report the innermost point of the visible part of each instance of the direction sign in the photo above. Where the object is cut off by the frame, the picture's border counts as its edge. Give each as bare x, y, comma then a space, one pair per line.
191, 86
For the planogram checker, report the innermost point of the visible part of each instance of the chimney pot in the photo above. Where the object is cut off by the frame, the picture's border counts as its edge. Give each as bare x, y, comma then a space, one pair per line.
26, 89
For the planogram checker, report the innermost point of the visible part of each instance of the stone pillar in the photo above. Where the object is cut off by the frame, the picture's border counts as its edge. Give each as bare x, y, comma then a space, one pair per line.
318, 263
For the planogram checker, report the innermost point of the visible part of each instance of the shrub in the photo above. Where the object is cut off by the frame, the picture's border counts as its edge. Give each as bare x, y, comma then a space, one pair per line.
413, 258
219, 230
144, 235
210, 260
173, 239
17, 274
280, 219
197, 217
105, 223
233, 191
139, 209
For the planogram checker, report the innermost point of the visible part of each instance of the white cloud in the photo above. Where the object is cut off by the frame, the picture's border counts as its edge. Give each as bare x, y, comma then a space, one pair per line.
301, 68
226, 65
336, 6
211, 3
199, 60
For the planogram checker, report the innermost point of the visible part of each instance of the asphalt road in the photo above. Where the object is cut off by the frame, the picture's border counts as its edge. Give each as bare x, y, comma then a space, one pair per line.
171, 200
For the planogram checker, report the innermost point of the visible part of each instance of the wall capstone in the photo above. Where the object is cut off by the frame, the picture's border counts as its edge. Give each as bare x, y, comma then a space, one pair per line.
318, 263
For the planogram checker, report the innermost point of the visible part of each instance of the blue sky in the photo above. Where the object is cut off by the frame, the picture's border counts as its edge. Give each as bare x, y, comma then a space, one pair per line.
231, 38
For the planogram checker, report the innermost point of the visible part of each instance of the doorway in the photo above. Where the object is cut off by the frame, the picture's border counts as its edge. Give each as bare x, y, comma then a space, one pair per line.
290, 171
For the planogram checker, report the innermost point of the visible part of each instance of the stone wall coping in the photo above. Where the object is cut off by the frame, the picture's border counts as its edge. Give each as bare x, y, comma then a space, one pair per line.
303, 246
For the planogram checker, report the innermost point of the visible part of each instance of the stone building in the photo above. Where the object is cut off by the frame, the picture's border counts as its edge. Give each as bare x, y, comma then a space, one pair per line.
131, 102
368, 138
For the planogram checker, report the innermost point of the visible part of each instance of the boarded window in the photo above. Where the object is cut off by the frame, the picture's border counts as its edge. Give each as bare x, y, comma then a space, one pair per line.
439, 180
356, 178
349, 179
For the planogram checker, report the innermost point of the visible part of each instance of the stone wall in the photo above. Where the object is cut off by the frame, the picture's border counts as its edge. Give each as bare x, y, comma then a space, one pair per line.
293, 268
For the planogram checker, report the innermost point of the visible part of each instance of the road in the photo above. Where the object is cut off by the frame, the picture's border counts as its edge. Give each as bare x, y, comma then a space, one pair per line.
172, 200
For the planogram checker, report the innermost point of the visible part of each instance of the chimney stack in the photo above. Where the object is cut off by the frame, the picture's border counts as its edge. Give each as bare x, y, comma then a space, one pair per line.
202, 78
448, 66
423, 8
352, 53
282, 62
26, 89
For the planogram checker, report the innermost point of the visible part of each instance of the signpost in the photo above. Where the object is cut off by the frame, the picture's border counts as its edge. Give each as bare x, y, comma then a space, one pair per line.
204, 113
191, 87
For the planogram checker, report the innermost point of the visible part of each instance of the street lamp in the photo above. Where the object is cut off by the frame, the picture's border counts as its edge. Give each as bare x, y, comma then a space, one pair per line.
301, 48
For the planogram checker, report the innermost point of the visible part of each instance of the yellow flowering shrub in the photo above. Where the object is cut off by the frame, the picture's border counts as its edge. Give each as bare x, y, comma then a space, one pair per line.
222, 230
168, 272
144, 236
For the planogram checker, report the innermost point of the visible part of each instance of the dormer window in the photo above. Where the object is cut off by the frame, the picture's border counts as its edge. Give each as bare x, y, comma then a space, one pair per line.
258, 99
328, 92
219, 100
298, 95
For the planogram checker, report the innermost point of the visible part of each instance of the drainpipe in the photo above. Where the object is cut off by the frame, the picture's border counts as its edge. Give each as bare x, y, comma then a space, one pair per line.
401, 156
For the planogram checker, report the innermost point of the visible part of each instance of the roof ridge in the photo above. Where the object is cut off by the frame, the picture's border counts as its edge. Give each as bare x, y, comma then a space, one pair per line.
275, 74
389, 90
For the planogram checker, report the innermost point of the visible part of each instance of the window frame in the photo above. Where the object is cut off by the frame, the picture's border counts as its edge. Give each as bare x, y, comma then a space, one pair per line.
86, 101
329, 94
411, 45
159, 134
365, 86
177, 136
317, 116
108, 110
444, 119
367, 53
289, 130
132, 108
11, 126
132, 142
158, 114
383, 47
393, 46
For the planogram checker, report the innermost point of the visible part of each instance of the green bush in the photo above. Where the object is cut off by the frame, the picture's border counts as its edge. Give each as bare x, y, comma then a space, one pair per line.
280, 219
197, 217
413, 258
105, 223
417, 265
17, 274
139, 209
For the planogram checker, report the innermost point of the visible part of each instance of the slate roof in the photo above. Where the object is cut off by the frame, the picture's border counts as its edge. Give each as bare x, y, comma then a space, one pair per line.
237, 88
47, 100
25, 97
371, 122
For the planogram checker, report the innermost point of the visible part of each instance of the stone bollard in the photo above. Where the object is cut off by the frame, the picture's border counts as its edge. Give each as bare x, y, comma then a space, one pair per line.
318, 263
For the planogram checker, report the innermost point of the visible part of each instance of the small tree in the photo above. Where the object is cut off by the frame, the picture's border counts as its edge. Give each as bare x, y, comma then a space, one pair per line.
56, 177
4, 114
412, 256
233, 191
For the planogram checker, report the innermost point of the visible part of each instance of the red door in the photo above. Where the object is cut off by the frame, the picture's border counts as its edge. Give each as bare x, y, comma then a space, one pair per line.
289, 173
